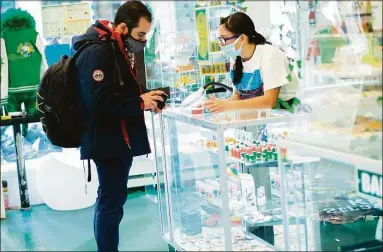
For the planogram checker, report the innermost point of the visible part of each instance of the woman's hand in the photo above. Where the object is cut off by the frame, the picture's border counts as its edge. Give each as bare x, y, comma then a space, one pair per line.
215, 105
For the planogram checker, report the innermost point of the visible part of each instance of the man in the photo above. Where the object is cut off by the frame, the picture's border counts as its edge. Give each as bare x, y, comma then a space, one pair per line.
116, 130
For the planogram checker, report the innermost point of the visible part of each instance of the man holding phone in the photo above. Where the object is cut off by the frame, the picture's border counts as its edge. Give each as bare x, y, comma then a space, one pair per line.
113, 107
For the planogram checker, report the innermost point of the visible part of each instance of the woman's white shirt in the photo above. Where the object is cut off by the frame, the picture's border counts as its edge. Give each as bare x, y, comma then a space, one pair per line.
265, 70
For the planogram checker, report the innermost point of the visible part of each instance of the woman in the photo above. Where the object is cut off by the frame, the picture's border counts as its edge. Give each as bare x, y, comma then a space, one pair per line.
259, 73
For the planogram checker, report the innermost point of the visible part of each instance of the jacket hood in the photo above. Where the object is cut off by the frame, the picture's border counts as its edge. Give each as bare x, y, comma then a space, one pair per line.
100, 30
17, 18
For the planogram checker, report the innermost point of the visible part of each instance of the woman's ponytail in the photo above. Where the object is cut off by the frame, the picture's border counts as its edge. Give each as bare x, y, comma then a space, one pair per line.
257, 38
238, 70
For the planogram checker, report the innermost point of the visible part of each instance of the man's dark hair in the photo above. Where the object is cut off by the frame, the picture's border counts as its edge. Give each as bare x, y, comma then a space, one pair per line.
131, 12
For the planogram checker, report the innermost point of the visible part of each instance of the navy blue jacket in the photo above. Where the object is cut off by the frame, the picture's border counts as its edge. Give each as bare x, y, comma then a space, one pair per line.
114, 114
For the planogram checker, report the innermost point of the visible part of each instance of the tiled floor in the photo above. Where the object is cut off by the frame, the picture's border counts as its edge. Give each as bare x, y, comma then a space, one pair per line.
42, 229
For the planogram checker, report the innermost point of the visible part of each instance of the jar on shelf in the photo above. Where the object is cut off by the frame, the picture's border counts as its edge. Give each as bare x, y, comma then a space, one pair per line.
203, 69
222, 68
216, 68
208, 69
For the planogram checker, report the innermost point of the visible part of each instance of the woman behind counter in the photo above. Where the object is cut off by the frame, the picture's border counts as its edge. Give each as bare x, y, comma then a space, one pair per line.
259, 73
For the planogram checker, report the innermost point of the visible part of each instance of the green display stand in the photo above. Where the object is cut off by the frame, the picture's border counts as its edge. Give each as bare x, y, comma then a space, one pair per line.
328, 43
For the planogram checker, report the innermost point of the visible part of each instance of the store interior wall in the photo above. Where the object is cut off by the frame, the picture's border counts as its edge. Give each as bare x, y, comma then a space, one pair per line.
259, 11
377, 11
34, 8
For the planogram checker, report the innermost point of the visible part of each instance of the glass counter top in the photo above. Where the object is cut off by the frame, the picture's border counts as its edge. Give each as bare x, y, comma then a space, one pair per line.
228, 119
346, 156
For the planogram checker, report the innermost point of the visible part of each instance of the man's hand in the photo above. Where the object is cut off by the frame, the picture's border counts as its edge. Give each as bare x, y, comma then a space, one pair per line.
157, 110
215, 105
151, 98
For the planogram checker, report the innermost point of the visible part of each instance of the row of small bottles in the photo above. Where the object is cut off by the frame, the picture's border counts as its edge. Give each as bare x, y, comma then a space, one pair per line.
247, 149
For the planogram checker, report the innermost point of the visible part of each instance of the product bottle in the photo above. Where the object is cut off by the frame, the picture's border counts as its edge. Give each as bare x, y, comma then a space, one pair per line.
5, 193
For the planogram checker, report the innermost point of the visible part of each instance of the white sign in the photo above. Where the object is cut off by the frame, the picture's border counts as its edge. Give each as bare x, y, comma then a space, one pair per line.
369, 182
66, 19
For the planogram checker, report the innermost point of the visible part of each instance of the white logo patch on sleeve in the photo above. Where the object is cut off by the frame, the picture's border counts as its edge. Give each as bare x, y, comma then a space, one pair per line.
98, 75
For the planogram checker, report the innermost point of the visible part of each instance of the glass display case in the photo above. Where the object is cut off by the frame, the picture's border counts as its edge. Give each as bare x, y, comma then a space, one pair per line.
338, 199
221, 185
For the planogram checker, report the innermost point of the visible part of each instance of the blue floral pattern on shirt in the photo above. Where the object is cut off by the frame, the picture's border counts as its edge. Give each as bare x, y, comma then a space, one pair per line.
251, 86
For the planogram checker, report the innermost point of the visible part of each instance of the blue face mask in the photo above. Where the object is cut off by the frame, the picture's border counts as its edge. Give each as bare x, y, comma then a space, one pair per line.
229, 50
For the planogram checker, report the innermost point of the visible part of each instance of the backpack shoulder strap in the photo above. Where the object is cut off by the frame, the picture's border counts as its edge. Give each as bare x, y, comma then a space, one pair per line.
88, 43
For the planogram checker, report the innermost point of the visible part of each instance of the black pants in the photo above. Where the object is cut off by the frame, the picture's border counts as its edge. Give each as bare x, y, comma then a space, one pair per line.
112, 195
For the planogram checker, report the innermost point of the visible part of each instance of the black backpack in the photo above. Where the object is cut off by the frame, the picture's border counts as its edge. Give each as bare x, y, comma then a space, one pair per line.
57, 101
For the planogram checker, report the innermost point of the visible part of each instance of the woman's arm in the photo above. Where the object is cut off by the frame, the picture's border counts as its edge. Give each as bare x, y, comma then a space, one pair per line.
267, 101
234, 97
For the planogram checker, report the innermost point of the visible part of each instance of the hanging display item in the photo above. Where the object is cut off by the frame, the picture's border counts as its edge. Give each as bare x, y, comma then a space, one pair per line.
26, 59
201, 25
24, 51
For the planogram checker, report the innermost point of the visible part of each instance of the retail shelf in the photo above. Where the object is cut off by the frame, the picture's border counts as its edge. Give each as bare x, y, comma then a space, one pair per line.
292, 221
350, 77
216, 53
20, 120
214, 74
261, 164
187, 71
214, 7
186, 85
328, 153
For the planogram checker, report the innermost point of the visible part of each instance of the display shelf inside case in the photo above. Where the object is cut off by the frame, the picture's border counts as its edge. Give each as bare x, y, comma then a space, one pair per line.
349, 115
331, 154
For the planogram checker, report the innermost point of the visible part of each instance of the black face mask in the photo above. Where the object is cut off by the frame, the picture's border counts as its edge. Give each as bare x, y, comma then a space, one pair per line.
132, 45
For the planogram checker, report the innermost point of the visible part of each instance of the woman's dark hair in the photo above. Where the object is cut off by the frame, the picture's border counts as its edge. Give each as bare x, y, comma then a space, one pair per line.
239, 23
130, 13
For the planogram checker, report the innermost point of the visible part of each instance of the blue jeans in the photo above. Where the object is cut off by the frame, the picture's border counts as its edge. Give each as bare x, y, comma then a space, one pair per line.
112, 195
